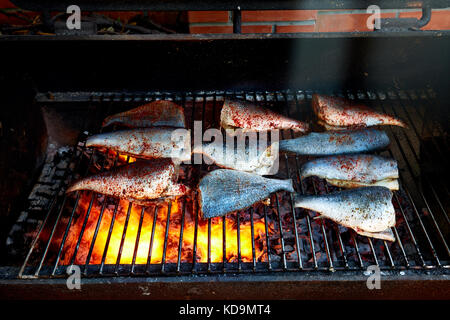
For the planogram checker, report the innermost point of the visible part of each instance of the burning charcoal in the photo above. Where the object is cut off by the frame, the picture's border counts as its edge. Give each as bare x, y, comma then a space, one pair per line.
288, 248
275, 258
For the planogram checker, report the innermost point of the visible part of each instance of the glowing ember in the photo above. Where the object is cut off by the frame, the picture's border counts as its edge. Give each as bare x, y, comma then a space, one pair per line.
175, 220
122, 157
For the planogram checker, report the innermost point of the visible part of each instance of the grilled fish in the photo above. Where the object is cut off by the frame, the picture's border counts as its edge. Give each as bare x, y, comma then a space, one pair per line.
223, 191
138, 181
368, 211
242, 114
160, 113
145, 143
351, 171
337, 113
243, 160
333, 143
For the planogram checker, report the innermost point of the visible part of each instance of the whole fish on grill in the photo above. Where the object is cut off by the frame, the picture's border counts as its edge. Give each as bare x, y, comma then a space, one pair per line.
139, 181
147, 143
161, 113
334, 143
247, 160
368, 210
356, 170
223, 191
246, 115
337, 113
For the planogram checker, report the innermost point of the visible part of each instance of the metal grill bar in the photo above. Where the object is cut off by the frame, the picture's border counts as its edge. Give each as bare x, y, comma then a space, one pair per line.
407, 192
419, 237
72, 261
409, 143
97, 227
136, 244
108, 239
152, 238
122, 240
238, 237
194, 250
269, 265
294, 220
180, 242
442, 184
94, 237
166, 236
224, 243
253, 239
50, 209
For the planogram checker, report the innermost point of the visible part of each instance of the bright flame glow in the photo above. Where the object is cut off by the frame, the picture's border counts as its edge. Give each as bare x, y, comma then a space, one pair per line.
142, 252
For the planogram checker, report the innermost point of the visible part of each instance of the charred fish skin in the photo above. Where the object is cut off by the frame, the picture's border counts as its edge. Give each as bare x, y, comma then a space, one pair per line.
161, 113
337, 113
223, 191
335, 143
367, 209
146, 143
353, 170
246, 115
138, 181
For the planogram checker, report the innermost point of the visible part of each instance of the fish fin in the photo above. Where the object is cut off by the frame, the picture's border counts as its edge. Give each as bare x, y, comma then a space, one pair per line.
176, 189
383, 235
330, 127
391, 184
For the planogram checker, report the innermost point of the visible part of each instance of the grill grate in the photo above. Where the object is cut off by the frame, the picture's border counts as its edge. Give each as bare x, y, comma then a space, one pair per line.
291, 240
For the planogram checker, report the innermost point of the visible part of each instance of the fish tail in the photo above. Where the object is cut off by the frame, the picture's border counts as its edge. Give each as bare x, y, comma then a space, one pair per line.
305, 170
402, 123
301, 200
109, 121
286, 185
96, 140
77, 185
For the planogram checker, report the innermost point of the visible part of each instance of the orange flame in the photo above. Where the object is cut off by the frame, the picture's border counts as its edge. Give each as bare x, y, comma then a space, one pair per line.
123, 158
142, 253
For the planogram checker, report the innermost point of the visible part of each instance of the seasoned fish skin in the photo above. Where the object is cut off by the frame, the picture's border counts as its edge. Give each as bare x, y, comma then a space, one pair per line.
246, 115
223, 191
262, 164
161, 113
336, 113
363, 168
367, 209
138, 181
335, 143
146, 143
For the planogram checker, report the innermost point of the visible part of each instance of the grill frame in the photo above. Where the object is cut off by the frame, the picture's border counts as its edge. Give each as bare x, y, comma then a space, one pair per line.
199, 5
252, 267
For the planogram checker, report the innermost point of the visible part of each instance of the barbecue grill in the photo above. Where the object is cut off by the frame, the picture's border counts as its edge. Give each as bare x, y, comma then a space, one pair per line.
167, 250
